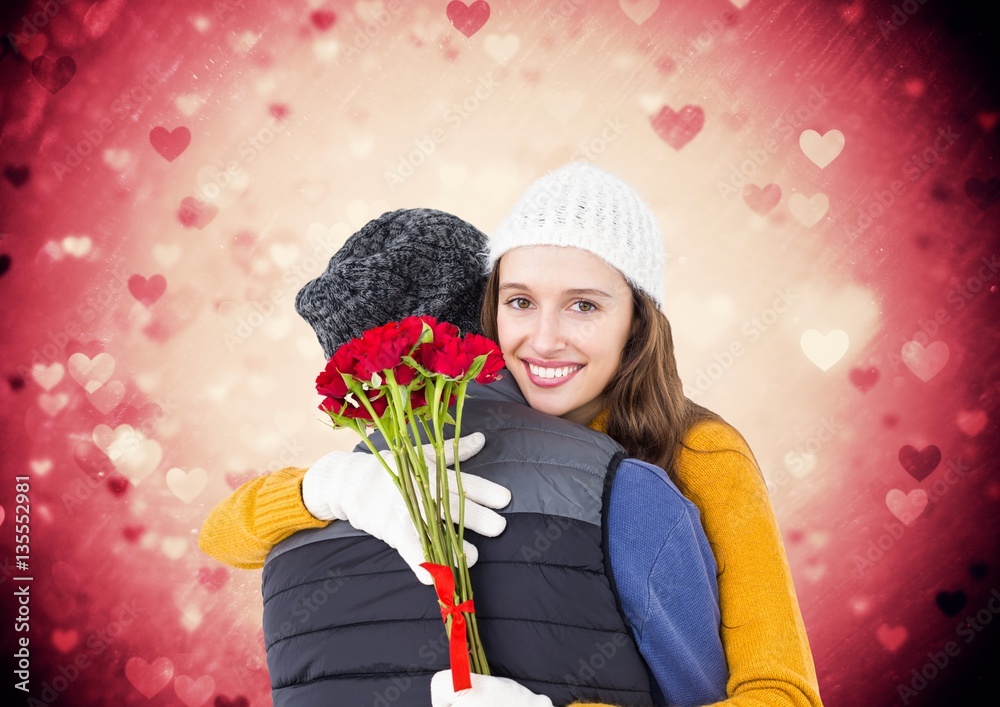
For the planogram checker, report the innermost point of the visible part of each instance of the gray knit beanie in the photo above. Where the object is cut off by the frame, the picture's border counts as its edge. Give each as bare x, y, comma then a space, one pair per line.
404, 263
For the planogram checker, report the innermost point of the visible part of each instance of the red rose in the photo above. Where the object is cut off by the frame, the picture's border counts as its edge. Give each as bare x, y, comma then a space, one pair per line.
384, 347
376, 399
443, 330
330, 382
445, 356
342, 406
475, 346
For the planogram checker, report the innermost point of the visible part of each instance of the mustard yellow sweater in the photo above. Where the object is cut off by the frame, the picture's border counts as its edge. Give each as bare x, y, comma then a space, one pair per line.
770, 663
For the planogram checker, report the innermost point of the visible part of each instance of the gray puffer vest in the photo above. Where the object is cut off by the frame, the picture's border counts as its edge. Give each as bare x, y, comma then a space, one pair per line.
347, 623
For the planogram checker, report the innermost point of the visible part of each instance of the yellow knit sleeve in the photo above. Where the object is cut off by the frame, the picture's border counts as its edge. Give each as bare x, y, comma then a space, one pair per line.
763, 635
243, 527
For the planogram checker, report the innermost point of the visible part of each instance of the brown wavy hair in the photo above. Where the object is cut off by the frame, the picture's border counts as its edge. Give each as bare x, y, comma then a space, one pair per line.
648, 413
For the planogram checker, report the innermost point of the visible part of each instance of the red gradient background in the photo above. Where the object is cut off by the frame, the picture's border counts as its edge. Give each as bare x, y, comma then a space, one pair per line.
174, 172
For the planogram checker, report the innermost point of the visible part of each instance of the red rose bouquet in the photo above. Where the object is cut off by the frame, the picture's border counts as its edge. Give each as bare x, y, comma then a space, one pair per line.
402, 378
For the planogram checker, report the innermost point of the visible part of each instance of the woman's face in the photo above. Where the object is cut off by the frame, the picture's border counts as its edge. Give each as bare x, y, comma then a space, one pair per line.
563, 318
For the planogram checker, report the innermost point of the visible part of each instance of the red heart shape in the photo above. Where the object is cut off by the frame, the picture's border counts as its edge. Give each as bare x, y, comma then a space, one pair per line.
17, 175
322, 19
64, 641
170, 144
951, 603
864, 379
983, 194
147, 291
238, 701
213, 579
677, 128
53, 75
468, 19
118, 485
133, 532
195, 213
760, 199
149, 679
920, 464
90, 349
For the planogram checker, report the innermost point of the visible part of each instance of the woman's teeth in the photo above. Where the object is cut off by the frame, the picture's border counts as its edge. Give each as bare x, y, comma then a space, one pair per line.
552, 372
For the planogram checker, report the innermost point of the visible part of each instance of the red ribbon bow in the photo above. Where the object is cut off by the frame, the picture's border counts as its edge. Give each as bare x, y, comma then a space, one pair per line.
444, 584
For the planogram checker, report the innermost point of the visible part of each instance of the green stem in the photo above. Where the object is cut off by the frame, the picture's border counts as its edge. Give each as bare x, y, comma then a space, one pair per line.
478, 654
400, 477
404, 413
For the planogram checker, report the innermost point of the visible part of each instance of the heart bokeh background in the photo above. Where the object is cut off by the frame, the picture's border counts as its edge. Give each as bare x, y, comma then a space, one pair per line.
826, 179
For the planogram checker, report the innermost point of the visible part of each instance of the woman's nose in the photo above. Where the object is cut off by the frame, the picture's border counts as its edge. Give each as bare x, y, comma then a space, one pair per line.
548, 335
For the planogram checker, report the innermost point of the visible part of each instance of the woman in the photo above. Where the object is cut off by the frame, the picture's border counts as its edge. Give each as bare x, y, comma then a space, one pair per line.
578, 255
343, 621
574, 302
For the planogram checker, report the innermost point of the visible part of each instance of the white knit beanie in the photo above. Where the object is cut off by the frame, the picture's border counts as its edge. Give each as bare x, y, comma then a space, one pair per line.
583, 206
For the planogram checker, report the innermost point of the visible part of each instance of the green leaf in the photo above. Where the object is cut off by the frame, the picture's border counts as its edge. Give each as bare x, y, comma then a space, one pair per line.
478, 363
408, 360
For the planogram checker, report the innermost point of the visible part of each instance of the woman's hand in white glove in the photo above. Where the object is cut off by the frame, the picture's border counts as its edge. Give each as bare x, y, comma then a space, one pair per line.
354, 486
486, 691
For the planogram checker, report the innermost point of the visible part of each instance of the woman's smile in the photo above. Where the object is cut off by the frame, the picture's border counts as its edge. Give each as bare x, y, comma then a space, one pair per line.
550, 375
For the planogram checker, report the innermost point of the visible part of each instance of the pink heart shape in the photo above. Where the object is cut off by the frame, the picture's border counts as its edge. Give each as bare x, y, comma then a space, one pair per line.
169, 143
147, 291
53, 75
891, 638
195, 213
149, 679
64, 641
468, 19
677, 128
760, 199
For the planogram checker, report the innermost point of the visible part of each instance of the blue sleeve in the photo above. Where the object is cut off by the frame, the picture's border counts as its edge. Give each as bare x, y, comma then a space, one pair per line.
665, 573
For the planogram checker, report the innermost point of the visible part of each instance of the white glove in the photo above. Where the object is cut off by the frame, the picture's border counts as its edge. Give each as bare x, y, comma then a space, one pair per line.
487, 691
354, 486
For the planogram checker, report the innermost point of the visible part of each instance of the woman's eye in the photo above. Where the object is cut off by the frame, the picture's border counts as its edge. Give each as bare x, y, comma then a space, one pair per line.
516, 301
587, 306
